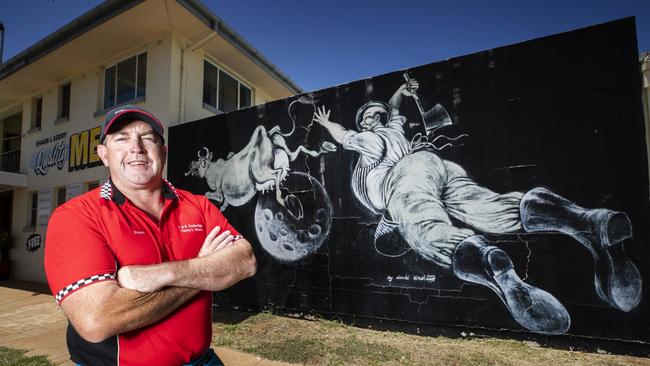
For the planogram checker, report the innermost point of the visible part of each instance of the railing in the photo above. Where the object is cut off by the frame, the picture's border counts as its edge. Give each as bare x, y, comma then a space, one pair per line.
10, 161
10, 158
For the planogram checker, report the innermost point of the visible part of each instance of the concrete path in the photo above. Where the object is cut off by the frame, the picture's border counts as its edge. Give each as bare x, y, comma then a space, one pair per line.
30, 319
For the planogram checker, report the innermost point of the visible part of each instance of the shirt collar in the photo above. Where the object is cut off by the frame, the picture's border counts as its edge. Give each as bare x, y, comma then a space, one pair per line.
110, 192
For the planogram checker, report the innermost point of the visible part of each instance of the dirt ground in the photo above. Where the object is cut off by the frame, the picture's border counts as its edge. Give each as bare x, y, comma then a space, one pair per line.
323, 342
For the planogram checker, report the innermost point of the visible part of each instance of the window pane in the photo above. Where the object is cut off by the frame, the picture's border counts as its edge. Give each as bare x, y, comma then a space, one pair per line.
142, 75
109, 87
65, 101
244, 96
93, 185
32, 216
228, 87
38, 115
126, 80
60, 196
209, 84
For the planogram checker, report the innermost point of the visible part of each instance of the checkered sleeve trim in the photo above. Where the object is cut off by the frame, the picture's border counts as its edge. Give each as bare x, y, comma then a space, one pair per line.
81, 283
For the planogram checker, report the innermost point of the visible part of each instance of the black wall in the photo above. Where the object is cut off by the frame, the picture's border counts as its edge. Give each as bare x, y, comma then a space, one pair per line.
561, 112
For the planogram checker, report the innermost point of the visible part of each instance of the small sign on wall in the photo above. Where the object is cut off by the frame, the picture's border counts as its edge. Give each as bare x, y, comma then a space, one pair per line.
73, 190
33, 242
44, 207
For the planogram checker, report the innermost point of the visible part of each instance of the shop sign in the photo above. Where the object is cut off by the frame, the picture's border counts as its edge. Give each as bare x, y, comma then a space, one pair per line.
44, 206
72, 190
33, 242
47, 157
83, 149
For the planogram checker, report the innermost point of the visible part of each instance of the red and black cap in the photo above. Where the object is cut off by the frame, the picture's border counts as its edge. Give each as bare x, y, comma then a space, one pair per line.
130, 113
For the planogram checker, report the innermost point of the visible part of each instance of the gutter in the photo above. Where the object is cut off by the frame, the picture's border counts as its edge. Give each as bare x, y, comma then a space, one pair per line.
226, 32
183, 82
91, 19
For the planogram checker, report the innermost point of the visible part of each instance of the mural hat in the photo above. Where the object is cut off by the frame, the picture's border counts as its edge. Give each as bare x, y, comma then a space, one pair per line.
130, 113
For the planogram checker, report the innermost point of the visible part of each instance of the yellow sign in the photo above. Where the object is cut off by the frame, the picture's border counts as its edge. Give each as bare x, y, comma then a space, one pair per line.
83, 149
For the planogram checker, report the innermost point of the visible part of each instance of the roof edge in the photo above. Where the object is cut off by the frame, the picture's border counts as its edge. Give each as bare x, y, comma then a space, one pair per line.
78, 26
225, 31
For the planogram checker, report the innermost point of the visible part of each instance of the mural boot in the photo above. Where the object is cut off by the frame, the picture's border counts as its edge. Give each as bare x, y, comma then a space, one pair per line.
601, 231
474, 260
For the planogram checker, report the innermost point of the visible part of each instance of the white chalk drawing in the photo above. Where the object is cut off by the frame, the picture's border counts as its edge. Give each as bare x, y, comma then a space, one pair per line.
417, 194
284, 228
419, 198
285, 237
262, 165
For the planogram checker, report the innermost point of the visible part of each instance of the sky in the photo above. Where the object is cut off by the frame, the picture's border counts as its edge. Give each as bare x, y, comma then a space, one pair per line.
319, 44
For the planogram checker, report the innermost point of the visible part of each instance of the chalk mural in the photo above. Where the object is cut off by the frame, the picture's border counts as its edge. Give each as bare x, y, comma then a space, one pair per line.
447, 192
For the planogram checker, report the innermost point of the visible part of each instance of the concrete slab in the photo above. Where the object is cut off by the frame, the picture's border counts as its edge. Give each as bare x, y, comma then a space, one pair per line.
30, 319
18, 302
232, 357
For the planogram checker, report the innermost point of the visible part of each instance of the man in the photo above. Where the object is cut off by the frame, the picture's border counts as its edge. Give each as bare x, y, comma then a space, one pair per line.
132, 263
418, 193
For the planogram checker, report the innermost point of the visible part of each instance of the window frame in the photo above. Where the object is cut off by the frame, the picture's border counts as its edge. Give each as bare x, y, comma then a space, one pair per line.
36, 122
32, 210
136, 82
217, 108
57, 196
92, 185
63, 113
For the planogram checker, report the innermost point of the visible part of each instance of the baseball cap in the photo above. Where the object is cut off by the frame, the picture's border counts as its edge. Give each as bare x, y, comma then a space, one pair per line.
130, 113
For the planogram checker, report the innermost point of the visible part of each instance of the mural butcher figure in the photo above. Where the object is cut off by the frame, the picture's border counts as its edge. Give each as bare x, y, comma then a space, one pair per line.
418, 193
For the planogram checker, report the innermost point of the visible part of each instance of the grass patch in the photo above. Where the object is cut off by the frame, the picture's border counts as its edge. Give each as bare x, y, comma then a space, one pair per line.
323, 342
294, 350
353, 350
16, 357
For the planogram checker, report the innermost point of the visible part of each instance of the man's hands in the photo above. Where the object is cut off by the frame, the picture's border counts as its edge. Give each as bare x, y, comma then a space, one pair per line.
322, 116
137, 277
214, 242
130, 278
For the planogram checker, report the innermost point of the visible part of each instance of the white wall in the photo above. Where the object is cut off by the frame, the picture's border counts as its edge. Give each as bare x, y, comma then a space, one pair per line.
194, 83
86, 101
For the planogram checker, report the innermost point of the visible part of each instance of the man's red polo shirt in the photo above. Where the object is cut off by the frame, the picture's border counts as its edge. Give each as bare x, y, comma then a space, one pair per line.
91, 236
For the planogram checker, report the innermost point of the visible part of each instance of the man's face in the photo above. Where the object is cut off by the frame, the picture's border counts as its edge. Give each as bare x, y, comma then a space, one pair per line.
135, 156
371, 118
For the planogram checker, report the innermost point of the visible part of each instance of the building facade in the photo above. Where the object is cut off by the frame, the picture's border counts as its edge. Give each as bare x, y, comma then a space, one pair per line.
175, 58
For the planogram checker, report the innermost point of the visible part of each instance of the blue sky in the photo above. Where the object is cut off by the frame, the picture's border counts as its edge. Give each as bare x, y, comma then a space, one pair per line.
324, 43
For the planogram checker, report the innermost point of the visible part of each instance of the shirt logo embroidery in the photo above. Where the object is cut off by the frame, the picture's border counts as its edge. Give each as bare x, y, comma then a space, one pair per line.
138, 232
188, 228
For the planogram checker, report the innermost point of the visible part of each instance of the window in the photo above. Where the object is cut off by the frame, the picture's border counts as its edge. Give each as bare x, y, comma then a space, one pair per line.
125, 81
228, 89
64, 101
60, 196
222, 91
245, 96
37, 113
34, 209
92, 185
